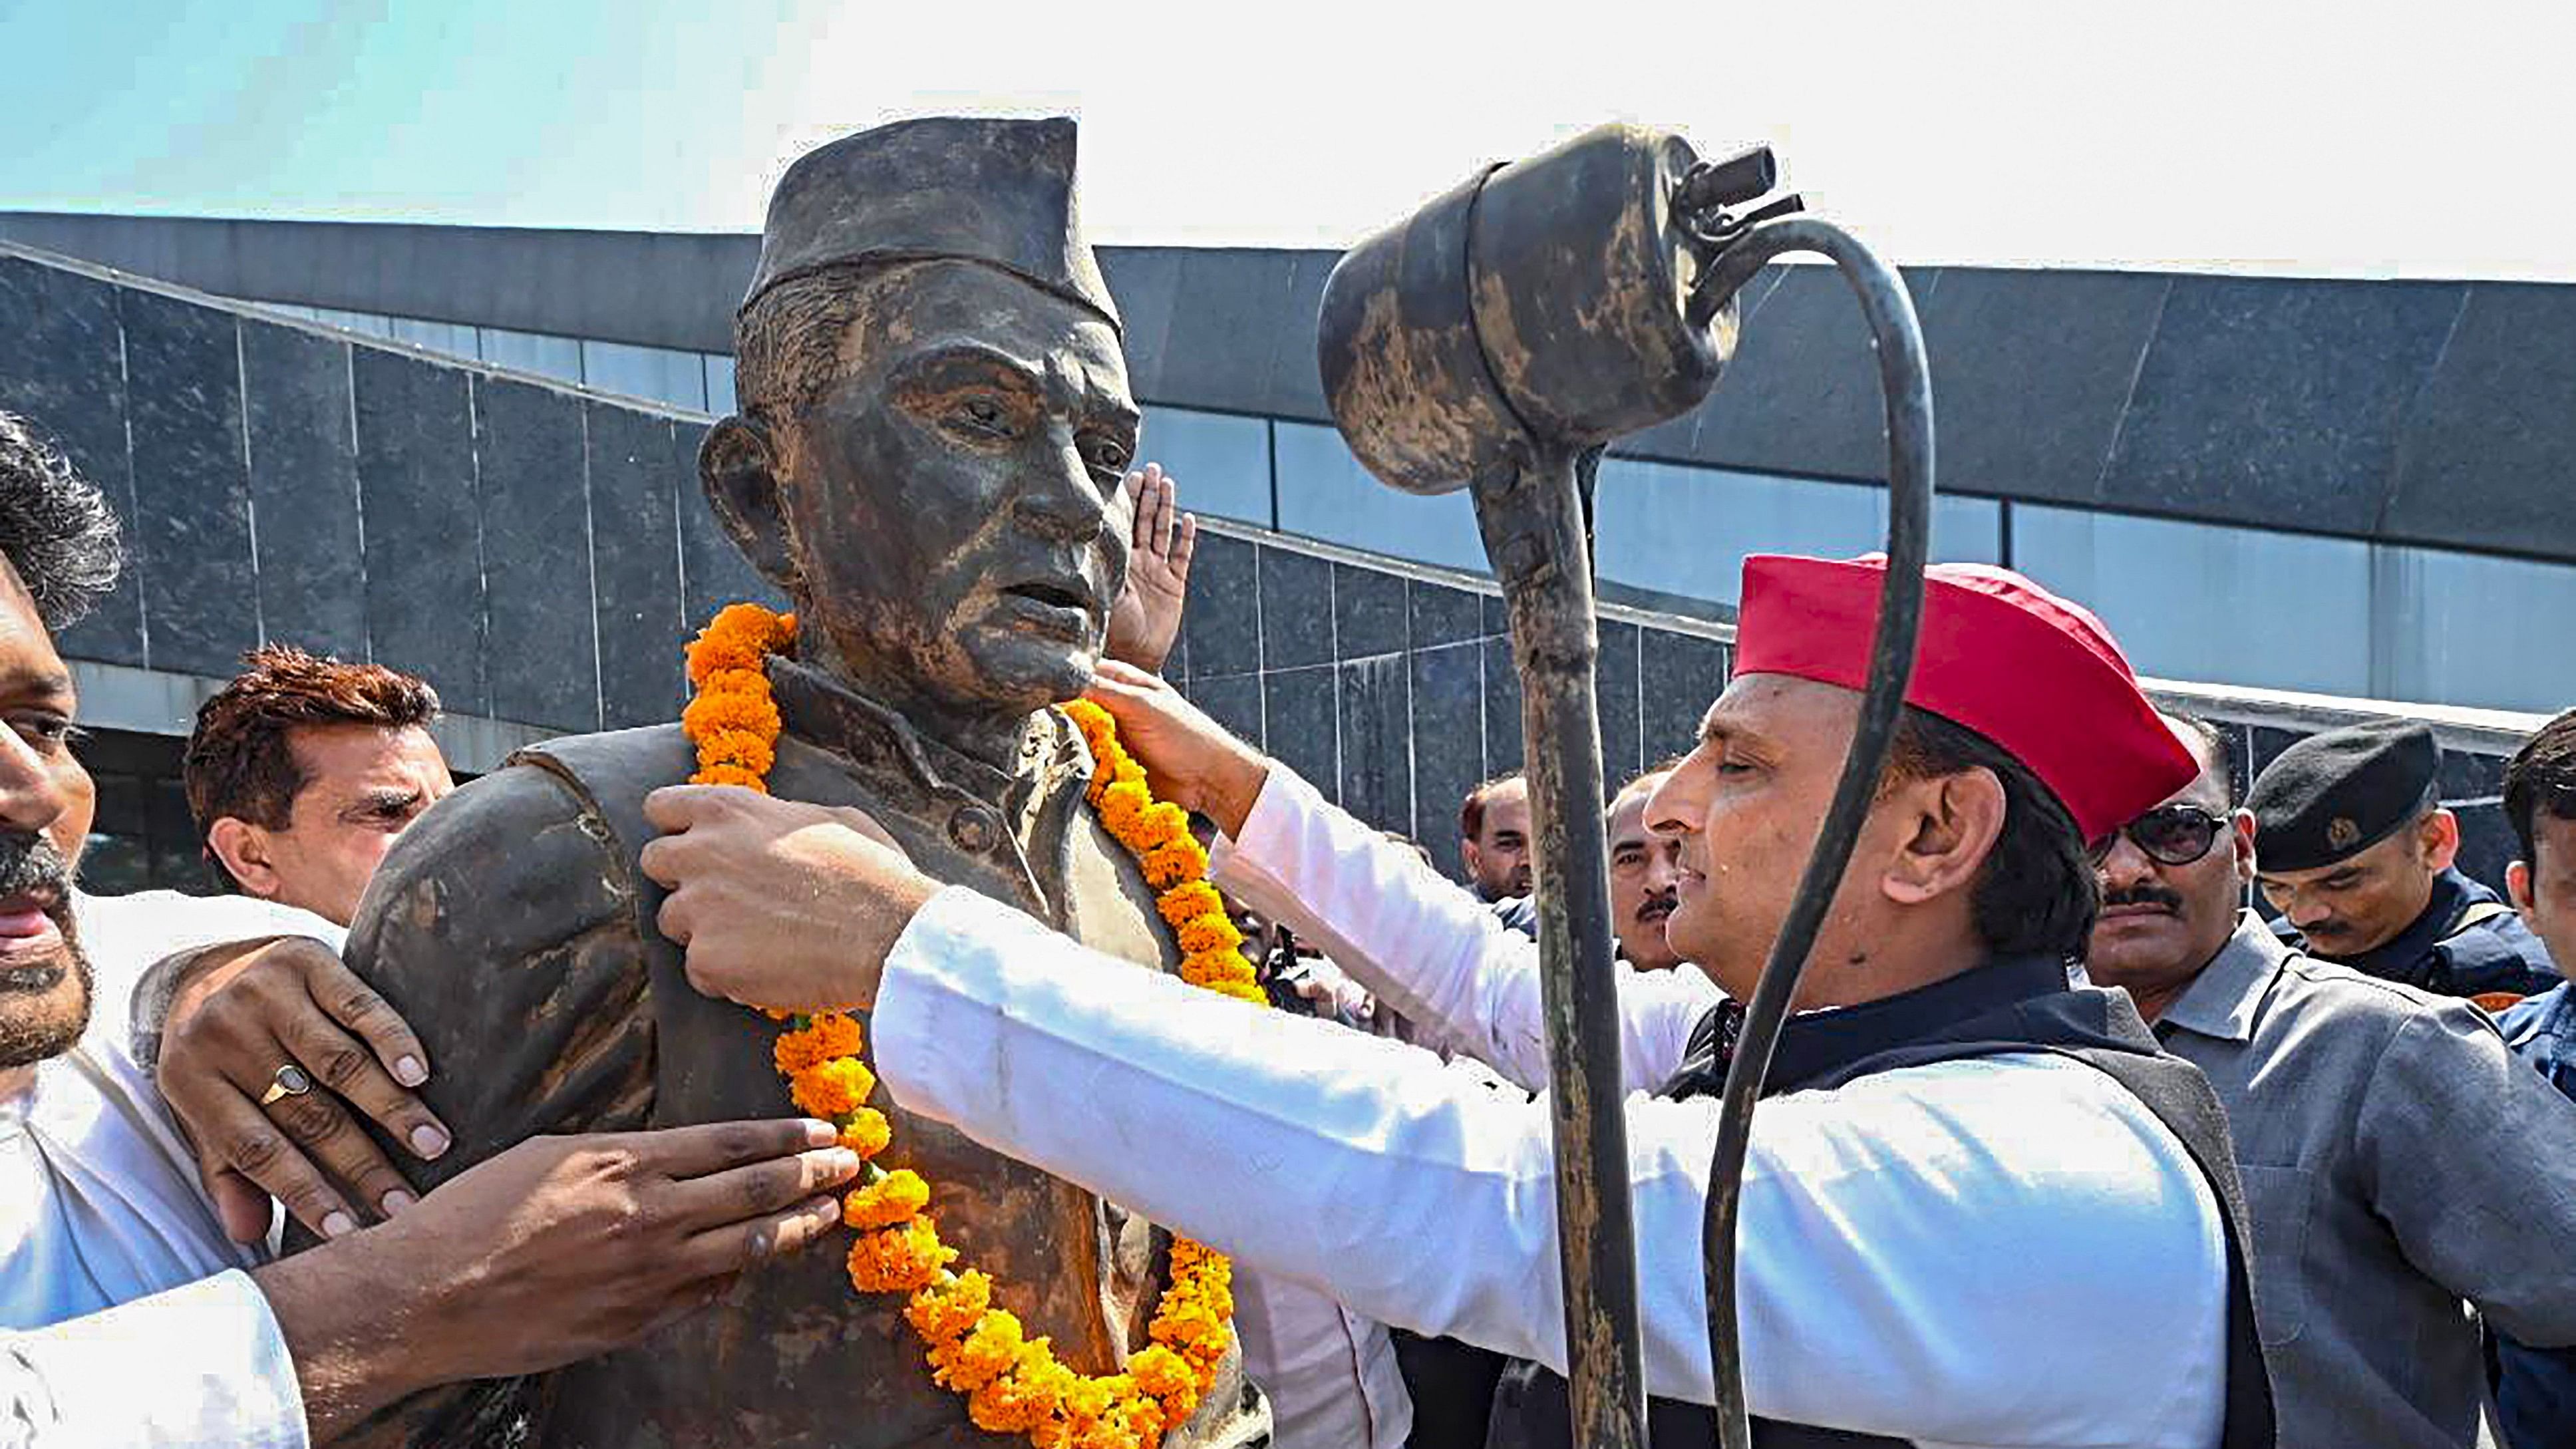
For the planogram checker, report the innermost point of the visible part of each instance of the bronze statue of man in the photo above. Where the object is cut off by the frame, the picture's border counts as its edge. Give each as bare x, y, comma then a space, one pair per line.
935, 425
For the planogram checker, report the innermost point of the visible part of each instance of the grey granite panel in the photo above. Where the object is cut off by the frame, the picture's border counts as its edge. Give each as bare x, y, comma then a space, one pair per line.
2268, 745
1222, 624
713, 573
1225, 324
1503, 735
191, 539
1441, 615
1802, 394
1297, 720
1176, 665
1448, 735
1295, 384
62, 369
1679, 676
425, 608
2262, 398
1377, 742
2491, 445
1232, 700
1145, 282
2468, 775
304, 489
2487, 845
635, 560
543, 665
2031, 370
1368, 611
1614, 688
1296, 609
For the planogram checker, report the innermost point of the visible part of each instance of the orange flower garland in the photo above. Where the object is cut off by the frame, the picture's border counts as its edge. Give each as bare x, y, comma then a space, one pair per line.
1013, 1384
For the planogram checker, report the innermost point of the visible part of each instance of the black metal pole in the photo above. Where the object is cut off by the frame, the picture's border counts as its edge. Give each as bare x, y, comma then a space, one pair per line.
1533, 519
1906, 380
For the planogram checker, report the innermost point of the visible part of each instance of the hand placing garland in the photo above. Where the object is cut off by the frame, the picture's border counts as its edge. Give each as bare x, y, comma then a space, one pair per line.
1013, 1384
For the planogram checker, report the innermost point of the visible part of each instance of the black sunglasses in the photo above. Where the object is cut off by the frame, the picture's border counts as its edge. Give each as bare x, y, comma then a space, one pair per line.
2169, 834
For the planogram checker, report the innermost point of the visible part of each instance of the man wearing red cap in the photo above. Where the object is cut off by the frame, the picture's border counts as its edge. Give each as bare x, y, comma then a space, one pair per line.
1980, 1207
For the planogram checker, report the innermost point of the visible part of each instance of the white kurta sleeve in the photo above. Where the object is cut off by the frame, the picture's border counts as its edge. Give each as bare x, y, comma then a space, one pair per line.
1979, 1253
1426, 946
200, 1365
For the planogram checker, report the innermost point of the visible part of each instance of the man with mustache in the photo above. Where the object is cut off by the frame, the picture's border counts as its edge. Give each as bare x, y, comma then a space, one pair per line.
126, 1317
2356, 857
1980, 1206
1645, 869
2396, 1157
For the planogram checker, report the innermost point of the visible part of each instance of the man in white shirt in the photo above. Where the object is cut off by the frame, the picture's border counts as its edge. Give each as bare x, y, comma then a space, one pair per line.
126, 1316
1979, 1207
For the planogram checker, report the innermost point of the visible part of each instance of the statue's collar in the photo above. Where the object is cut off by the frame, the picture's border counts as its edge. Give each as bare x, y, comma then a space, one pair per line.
821, 710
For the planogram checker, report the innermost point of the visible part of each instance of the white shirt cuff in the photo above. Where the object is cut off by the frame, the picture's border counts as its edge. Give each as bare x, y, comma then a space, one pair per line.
202, 1364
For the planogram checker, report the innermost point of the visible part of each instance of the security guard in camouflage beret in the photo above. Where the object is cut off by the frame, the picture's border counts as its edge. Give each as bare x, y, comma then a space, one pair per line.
2354, 849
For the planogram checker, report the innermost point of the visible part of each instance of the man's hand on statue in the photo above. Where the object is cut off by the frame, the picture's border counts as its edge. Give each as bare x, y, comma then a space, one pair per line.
777, 903
1146, 619
1189, 759
267, 1051
556, 1250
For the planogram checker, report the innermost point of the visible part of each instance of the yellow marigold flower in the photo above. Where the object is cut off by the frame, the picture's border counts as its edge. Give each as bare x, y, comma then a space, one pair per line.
901, 1195
834, 1088
742, 748
830, 1034
1241, 991
941, 1312
737, 638
1122, 806
898, 1260
866, 1132
1188, 901
982, 1355
1173, 862
730, 775
1021, 1399
721, 711
1209, 968
1167, 1376
1211, 932
842, 1036
1170, 824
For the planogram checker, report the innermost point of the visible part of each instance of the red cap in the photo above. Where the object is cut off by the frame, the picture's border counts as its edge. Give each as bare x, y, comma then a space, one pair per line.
2034, 673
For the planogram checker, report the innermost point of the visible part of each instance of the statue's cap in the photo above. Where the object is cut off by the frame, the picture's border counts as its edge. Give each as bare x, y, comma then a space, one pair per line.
978, 189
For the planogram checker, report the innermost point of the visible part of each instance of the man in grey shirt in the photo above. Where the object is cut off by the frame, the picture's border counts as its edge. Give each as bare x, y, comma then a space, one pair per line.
2396, 1158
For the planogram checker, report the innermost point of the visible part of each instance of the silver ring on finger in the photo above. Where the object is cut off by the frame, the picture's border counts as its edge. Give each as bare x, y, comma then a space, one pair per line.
289, 1080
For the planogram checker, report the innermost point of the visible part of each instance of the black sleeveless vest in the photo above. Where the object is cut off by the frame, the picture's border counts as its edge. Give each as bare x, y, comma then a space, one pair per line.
2010, 1006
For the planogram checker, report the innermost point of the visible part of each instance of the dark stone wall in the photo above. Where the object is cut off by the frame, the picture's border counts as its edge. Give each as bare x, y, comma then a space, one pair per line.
2440, 414
537, 553
540, 554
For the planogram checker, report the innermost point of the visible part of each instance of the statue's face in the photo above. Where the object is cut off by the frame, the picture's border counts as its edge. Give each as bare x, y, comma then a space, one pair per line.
954, 497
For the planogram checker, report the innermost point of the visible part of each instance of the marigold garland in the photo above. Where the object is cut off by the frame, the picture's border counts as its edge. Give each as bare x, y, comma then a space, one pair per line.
1013, 1384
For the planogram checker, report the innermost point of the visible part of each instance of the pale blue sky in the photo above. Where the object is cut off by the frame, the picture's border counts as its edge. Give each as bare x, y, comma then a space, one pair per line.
2365, 138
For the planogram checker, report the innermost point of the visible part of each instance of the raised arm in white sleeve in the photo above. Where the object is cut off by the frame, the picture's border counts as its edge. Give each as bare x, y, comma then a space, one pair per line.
200, 1365
2007, 1251
1427, 947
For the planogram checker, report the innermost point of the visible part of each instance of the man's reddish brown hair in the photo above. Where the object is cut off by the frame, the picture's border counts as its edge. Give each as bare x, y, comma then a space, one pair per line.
239, 762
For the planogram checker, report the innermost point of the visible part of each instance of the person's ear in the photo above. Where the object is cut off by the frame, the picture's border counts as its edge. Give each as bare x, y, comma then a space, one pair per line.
738, 468
2241, 830
2517, 885
1948, 826
241, 848
2441, 839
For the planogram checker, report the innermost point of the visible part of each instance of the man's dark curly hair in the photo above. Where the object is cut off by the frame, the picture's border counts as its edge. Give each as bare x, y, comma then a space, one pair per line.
56, 529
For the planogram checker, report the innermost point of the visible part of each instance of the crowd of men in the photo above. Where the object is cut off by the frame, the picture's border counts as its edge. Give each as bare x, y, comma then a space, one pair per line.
2374, 1230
